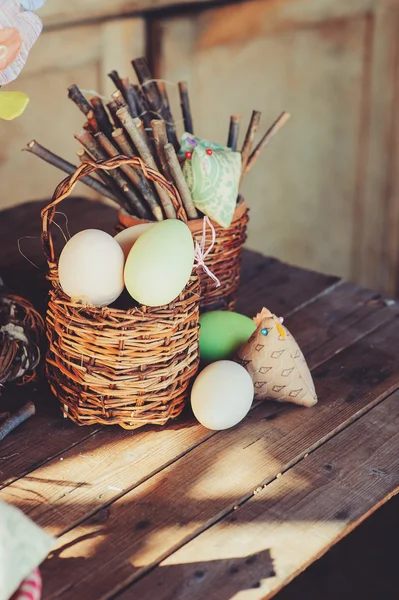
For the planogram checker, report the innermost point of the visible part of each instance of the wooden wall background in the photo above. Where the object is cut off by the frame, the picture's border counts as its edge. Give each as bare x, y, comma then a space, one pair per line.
325, 195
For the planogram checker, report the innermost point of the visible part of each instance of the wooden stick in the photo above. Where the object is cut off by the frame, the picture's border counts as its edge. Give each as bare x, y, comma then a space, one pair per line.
119, 99
123, 143
113, 108
34, 148
126, 149
101, 115
21, 415
160, 140
234, 131
143, 110
92, 121
133, 202
156, 96
185, 107
134, 176
76, 96
266, 139
129, 94
180, 181
249, 139
105, 178
114, 76
143, 149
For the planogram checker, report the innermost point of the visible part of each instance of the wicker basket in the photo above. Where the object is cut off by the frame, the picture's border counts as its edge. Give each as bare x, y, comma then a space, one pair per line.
224, 260
113, 366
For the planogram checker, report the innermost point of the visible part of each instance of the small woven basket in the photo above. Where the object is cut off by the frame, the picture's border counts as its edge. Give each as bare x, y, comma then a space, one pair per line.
224, 260
113, 366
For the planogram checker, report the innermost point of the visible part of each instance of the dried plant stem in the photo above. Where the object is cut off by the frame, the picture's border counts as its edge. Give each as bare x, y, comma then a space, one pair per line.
234, 131
160, 140
113, 108
105, 178
185, 107
76, 96
40, 151
133, 202
180, 182
92, 121
118, 98
156, 97
147, 186
133, 176
266, 139
131, 126
101, 115
129, 95
249, 139
116, 80
21, 415
120, 138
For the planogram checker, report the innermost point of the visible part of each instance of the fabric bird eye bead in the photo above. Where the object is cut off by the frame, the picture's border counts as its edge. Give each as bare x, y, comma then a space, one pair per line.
264, 331
189, 155
209, 151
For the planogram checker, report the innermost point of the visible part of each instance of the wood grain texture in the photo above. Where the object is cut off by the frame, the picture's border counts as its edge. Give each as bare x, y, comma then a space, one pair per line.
187, 497
261, 546
373, 263
332, 322
24, 221
59, 12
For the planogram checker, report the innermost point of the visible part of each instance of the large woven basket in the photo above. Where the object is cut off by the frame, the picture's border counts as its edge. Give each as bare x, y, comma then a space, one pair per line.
113, 366
224, 260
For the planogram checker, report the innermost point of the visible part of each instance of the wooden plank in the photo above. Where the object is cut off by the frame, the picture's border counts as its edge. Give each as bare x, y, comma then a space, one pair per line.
282, 288
27, 281
182, 500
30, 433
260, 547
391, 237
322, 328
371, 265
57, 12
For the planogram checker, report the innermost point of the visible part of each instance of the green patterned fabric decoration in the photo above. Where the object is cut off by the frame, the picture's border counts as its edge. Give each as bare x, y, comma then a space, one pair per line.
213, 174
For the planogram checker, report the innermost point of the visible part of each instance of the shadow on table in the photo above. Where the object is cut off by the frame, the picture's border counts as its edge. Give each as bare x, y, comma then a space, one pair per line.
117, 534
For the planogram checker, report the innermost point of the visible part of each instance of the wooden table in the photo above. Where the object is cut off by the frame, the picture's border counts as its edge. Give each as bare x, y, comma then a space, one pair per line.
185, 513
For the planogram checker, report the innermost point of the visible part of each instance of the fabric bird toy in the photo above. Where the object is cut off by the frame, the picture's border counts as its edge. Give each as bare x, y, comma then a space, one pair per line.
213, 175
19, 29
276, 364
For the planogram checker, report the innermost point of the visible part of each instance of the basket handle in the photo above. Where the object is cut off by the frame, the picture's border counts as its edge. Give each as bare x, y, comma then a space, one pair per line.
64, 189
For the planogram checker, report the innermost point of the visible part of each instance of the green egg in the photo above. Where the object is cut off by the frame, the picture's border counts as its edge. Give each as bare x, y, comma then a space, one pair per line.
222, 333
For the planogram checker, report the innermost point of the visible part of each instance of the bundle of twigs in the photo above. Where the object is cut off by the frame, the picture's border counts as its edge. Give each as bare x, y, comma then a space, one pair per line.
138, 121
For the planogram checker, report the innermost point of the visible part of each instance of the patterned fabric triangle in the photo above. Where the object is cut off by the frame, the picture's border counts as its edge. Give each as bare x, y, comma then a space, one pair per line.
278, 370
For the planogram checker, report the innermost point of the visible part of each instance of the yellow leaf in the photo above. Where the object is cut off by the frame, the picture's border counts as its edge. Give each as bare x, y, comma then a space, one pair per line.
12, 104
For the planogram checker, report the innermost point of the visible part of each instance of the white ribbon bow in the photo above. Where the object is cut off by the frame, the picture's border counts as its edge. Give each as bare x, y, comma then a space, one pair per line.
201, 254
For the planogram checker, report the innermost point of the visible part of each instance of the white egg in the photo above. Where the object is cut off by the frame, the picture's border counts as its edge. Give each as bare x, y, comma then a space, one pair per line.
222, 395
127, 238
91, 268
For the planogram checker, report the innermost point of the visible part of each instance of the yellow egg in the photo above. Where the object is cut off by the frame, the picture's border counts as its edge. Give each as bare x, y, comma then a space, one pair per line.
128, 237
91, 268
160, 263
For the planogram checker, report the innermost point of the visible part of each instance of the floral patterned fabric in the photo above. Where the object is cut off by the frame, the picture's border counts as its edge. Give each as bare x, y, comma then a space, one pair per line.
213, 175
